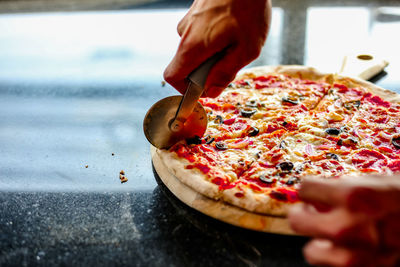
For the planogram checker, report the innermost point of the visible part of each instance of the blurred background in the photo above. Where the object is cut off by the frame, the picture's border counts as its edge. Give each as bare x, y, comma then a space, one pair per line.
76, 78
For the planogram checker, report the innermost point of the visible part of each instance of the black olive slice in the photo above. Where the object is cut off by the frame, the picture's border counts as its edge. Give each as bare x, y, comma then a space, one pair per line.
196, 140
208, 139
266, 180
253, 131
333, 131
340, 142
220, 145
248, 112
284, 123
251, 103
283, 144
285, 166
332, 156
289, 100
396, 141
218, 119
292, 181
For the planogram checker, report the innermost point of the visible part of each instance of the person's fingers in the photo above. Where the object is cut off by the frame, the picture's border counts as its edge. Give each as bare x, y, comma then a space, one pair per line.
193, 50
183, 23
224, 71
389, 228
339, 225
326, 192
376, 196
327, 253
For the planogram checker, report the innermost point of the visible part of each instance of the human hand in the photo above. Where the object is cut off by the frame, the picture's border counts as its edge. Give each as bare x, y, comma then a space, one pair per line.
237, 28
353, 221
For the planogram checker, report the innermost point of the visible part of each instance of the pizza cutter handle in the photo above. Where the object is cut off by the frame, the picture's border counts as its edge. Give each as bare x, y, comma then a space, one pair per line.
197, 80
199, 75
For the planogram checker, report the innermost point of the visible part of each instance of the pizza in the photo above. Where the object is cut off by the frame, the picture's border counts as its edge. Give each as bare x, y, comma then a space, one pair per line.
273, 126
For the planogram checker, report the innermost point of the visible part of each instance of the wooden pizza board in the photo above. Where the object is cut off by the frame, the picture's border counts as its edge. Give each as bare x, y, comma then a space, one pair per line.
218, 209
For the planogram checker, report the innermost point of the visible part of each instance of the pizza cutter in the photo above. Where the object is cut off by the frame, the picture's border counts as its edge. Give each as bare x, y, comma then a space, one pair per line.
177, 118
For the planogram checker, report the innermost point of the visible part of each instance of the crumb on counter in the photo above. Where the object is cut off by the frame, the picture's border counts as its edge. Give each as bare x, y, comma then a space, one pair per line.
122, 177
163, 83
112, 154
86, 166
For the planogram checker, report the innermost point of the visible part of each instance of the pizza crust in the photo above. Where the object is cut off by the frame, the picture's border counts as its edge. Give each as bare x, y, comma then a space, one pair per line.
196, 180
311, 73
191, 177
256, 202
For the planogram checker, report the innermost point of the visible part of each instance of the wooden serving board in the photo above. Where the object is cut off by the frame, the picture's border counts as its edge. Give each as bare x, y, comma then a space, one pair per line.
218, 209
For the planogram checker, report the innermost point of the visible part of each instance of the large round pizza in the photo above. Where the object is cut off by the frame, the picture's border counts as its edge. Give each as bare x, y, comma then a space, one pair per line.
273, 126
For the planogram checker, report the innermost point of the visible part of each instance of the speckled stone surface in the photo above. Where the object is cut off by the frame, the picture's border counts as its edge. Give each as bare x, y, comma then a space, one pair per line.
139, 228
76, 97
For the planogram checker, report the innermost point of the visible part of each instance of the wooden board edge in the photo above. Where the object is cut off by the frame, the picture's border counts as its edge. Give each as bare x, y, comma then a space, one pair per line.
218, 209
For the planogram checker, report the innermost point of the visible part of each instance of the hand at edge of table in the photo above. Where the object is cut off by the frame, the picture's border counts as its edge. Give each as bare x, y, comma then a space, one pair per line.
352, 221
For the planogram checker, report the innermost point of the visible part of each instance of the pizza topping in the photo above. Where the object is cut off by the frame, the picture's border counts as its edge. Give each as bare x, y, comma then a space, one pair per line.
252, 103
349, 141
229, 121
283, 145
344, 129
208, 139
332, 156
368, 158
248, 112
243, 83
285, 166
394, 166
289, 101
284, 195
239, 194
253, 131
396, 141
350, 104
374, 99
218, 119
221, 145
194, 141
292, 181
309, 149
333, 131
266, 180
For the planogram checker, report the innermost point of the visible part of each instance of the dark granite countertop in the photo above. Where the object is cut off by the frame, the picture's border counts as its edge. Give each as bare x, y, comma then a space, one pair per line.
74, 88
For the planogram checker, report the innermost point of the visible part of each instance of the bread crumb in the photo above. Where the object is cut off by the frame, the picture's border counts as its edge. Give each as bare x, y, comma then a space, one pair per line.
86, 166
122, 177
163, 83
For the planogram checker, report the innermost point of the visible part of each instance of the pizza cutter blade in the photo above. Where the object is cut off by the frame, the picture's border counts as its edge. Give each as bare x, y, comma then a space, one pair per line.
177, 118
